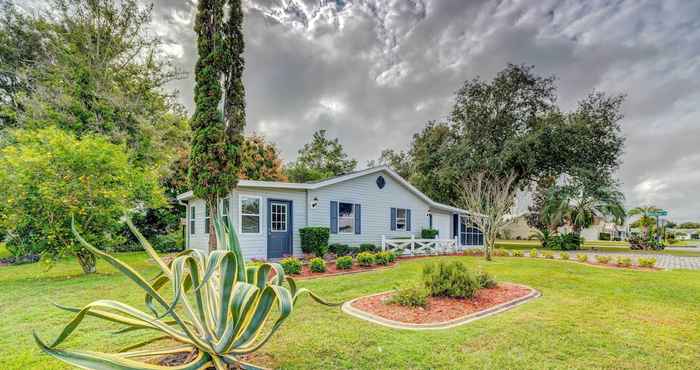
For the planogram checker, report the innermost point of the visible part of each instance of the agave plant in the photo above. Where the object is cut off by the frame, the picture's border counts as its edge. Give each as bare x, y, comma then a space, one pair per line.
217, 311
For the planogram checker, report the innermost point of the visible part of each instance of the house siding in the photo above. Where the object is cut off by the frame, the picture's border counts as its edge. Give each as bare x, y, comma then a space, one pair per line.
376, 207
254, 245
443, 223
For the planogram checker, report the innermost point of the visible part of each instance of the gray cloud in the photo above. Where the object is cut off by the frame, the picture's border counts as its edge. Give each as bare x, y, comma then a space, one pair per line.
374, 72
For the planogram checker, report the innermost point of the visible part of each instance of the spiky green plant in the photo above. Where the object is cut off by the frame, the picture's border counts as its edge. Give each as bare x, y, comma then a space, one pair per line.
218, 308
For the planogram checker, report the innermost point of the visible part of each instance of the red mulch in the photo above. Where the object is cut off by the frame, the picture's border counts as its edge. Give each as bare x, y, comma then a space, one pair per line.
440, 309
332, 270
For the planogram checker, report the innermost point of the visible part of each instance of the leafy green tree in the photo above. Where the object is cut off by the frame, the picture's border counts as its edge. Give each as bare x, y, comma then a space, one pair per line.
512, 124
319, 159
215, 156
94, 68
48, 176
647, 219
579, 202
398, 161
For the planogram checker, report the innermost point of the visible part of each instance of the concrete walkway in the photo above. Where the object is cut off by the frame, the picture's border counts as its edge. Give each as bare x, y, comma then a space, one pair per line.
663, 261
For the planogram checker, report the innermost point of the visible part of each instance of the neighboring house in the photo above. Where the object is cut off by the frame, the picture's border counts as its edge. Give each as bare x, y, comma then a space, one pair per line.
360, 207
685, 234
519, 229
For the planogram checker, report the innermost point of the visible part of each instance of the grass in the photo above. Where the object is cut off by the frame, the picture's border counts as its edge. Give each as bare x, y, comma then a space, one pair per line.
587, 318
602, 246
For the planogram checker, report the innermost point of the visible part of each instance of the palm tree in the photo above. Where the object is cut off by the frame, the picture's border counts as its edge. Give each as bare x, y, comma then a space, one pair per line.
578, 205
646, 217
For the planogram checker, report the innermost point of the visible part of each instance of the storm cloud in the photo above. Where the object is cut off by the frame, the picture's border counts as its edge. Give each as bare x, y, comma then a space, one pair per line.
374, 72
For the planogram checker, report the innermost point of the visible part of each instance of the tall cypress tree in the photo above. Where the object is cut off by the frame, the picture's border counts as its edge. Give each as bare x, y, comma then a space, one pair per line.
217, 138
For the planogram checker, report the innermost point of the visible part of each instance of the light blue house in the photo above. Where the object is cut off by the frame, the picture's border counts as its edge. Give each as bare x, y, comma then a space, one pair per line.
368, 206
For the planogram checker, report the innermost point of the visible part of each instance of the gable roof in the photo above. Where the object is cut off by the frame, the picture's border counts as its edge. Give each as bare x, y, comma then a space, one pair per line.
334, 180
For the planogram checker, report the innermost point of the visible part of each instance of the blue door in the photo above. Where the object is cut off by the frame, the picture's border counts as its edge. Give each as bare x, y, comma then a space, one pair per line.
279, 228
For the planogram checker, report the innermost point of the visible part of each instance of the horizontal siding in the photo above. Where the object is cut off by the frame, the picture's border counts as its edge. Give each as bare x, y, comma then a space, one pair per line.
443, 223
255, 245
376, 204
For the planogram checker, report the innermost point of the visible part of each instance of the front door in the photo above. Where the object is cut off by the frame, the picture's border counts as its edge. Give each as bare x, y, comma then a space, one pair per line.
279, 228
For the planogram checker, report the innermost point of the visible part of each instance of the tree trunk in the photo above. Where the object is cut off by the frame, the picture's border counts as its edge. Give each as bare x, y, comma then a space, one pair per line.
212, 232
488, 248
87, 261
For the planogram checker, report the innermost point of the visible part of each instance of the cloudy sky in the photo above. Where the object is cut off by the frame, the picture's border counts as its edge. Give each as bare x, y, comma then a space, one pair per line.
374, 72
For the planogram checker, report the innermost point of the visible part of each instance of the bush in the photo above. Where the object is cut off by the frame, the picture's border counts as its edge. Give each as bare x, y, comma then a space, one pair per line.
343, 263
565, 242
171, 242
365, 259
473, 252
450, 280
533, 252
315, 240
368, 247
485, 280
646, 262
384, 258
604, 236
517, 253
340, 249
548, 255
291, 265
563, 255
602, 259
429, 233
582, 257
623, 261
47, 176
317, 265
410, 297
499, 252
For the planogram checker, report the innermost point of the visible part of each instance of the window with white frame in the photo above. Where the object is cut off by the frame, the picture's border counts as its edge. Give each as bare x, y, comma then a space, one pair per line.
206, 219
278, 213
192, 220
401, 219
250, 214
346, 218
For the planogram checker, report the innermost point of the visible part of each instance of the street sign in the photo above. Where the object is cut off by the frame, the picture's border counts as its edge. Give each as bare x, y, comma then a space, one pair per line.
660, 213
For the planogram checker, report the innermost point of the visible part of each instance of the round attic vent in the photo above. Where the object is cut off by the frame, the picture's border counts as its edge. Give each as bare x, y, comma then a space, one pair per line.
381, 182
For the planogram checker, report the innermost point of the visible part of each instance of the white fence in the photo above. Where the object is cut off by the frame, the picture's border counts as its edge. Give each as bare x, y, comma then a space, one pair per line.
416, 247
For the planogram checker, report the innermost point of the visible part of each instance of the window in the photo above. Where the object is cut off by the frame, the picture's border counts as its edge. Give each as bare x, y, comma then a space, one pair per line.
401, 219
469, 233
346, 218
250, 214
206, 219
192, 223
278, 212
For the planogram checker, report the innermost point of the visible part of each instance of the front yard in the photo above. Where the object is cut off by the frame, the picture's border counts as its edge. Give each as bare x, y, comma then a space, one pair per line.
601, 246
587, 318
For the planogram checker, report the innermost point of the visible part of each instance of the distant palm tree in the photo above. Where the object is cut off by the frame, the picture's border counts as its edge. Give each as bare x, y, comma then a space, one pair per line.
646, 217
578, 205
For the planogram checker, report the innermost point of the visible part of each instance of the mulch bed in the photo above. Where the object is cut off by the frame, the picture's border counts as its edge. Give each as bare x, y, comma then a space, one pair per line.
440, 309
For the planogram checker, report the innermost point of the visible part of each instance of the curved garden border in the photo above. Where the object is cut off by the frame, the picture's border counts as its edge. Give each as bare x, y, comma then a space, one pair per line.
350, 310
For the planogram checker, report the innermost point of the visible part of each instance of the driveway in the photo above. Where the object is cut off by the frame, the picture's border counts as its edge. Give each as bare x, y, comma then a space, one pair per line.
664, 261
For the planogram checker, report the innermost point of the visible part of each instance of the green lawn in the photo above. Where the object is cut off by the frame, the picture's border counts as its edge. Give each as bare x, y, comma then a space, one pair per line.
603, 246
587, 318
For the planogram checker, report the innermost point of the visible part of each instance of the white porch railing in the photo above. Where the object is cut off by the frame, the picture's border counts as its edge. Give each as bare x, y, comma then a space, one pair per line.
415, 247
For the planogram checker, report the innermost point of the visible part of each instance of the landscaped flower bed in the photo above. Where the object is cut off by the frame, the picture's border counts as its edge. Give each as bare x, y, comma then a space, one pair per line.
440, 309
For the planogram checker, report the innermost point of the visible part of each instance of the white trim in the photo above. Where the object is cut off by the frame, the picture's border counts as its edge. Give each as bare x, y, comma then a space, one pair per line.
240, 214
405, 219
335, 180
352, 205
286, 216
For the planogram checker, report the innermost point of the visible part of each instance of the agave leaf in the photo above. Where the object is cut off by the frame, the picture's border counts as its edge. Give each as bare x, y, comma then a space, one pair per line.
107, 361
148, 247
121, 266
109, 316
